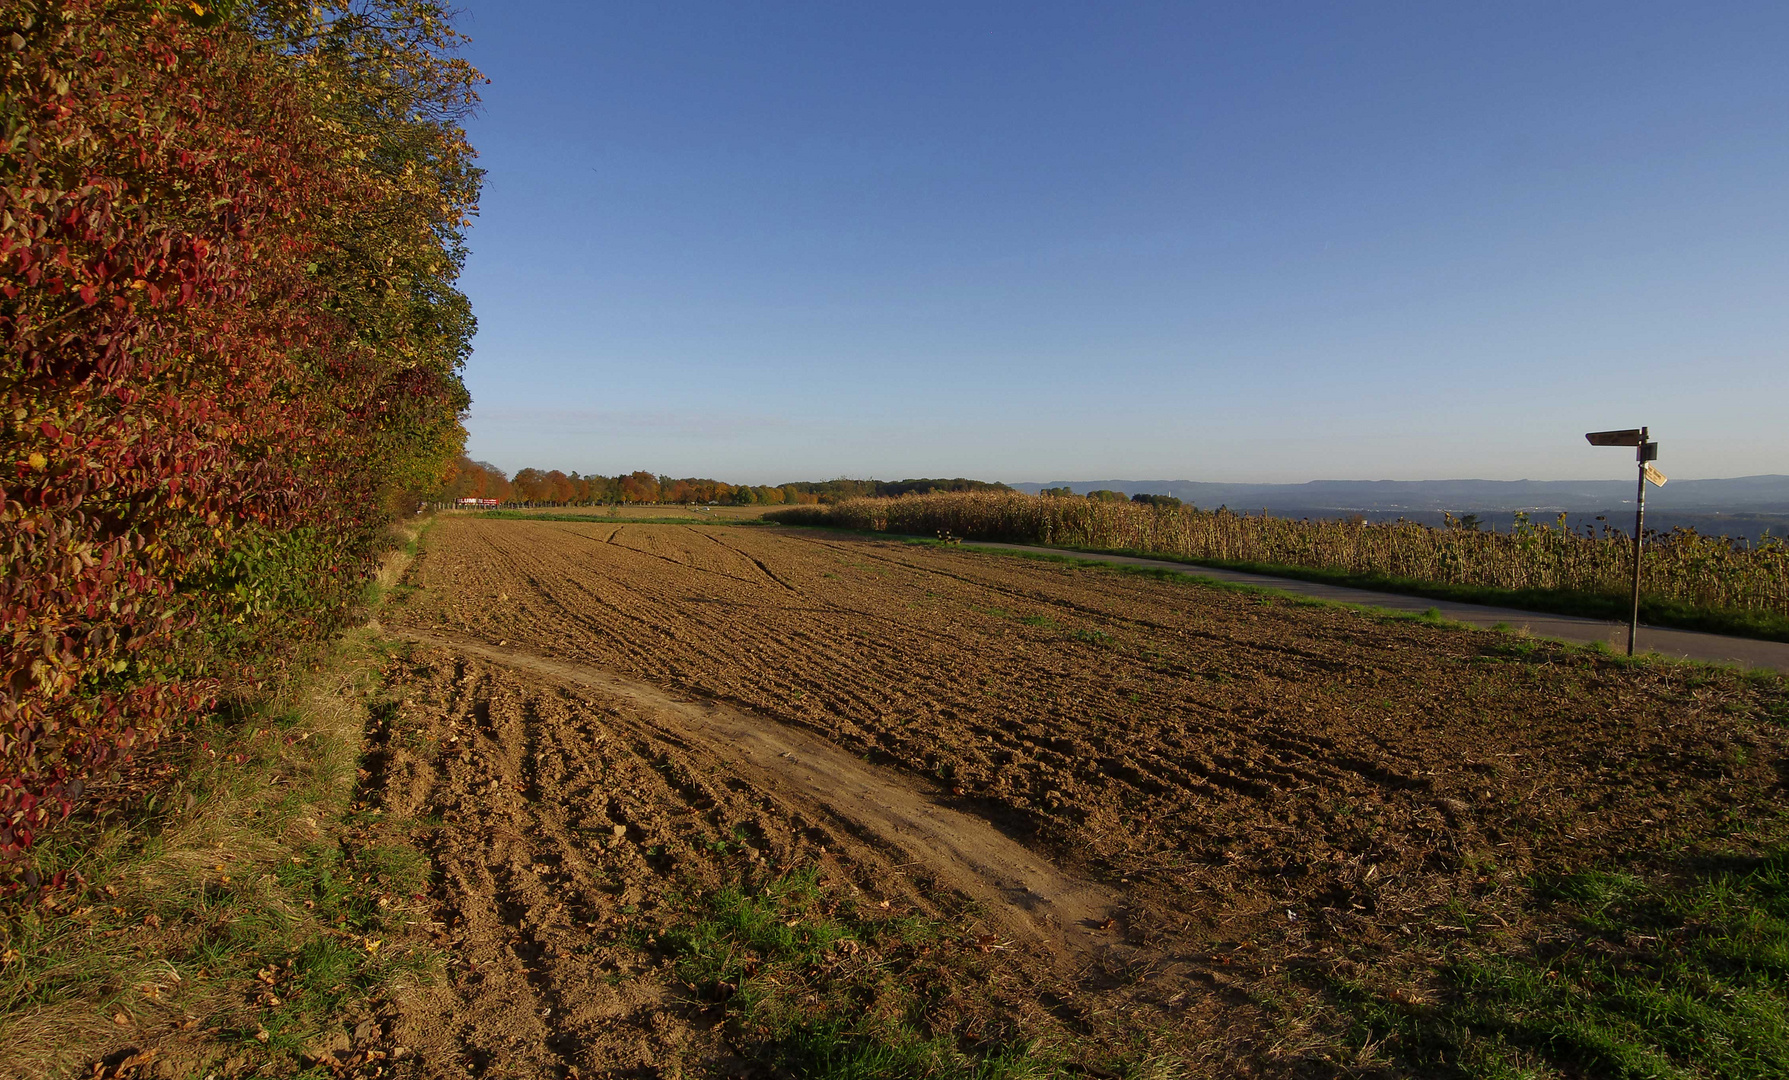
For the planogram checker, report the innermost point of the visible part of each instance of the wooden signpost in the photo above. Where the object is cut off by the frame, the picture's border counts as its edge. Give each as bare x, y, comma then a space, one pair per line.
1645, 452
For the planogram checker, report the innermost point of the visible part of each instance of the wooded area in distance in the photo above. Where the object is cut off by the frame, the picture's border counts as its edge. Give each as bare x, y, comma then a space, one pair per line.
481, 480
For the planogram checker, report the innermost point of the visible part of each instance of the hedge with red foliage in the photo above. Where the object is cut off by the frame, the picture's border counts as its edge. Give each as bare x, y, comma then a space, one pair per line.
203, 432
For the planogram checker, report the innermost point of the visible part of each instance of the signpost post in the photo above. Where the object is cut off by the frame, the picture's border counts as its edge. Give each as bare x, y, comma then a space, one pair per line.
1645, 453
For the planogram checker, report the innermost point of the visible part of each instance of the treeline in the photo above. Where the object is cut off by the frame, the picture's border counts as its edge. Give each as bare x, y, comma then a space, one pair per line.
470, 479
229, 241
831, 491
1163, 502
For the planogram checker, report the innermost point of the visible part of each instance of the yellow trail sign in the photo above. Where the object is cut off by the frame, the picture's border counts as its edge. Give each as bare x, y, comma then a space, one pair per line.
1654, 476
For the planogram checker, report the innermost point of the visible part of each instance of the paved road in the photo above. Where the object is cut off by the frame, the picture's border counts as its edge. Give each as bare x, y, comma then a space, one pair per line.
1679, 644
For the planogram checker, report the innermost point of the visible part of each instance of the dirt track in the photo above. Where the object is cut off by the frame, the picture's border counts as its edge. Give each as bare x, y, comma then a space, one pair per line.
1674, 644
1257, 786
1026, 893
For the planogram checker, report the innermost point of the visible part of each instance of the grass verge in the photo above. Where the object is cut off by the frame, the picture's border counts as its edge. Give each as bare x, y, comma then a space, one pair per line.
1521, 647
1653, 610
230, 901
1678, 974
817, 984
599, 519
1267, 593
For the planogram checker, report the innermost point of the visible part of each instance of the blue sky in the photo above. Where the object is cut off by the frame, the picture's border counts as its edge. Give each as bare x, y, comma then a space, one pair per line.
1210, 241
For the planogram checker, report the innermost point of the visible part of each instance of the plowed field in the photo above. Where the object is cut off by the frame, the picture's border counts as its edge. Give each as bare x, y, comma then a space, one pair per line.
1157, 819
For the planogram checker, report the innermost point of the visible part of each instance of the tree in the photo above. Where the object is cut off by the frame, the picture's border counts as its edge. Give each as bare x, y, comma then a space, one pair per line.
227, 264
468, 479
1160, 502
531, 486
639, 487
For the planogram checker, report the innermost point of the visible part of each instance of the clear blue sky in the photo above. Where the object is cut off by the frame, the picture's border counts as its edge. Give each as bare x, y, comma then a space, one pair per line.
1210, 241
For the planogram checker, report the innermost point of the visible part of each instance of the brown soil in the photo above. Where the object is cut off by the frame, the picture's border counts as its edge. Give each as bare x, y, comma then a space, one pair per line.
1011, 747
571, 815
1025, 893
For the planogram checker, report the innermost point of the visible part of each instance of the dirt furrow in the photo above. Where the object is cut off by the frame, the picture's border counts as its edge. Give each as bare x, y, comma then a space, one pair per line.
1133, 728
1032, 590
516, 898
1021, 889
755, 561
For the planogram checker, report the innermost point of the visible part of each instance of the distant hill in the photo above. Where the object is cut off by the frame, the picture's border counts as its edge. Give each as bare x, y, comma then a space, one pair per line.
1750, 506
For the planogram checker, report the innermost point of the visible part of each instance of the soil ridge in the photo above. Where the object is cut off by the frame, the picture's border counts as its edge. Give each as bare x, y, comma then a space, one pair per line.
1033, 898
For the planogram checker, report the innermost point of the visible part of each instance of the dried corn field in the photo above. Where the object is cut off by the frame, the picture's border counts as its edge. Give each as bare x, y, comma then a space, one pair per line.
1681, 565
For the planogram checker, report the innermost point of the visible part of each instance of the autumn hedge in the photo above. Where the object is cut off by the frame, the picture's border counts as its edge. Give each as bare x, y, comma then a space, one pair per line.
227, 257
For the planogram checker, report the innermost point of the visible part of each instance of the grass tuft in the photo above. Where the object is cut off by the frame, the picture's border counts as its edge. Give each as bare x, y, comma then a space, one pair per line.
821, 986
1681, 975
231, 893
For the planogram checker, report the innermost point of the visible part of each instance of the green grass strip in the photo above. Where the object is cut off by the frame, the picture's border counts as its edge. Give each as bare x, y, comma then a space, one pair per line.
604, 519
1684, 975
1654, 611
813, 988
1675, 614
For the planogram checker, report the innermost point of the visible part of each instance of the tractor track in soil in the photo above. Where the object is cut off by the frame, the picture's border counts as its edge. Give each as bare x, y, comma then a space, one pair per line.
1024, 893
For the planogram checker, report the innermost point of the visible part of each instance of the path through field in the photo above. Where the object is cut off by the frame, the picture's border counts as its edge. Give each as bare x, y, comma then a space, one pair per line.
1152, 809
1675, 644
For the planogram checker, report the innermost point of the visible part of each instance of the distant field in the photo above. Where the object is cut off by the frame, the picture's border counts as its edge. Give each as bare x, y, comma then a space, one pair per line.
632, 512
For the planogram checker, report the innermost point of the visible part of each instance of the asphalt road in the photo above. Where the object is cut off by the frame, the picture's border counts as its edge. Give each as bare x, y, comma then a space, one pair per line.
1677, 644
